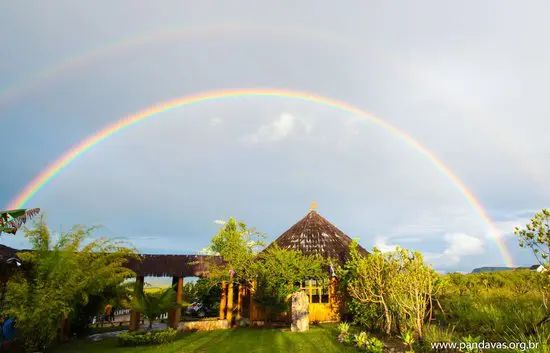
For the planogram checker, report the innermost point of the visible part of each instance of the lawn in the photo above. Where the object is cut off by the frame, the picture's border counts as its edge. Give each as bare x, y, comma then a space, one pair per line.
320, 338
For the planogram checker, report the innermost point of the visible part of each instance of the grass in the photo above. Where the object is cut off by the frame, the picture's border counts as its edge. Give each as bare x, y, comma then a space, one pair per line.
320, 338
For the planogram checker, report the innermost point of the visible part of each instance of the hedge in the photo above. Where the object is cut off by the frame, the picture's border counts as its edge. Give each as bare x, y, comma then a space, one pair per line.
139, 338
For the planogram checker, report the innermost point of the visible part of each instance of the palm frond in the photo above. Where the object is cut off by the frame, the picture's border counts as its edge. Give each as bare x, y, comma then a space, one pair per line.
12, 220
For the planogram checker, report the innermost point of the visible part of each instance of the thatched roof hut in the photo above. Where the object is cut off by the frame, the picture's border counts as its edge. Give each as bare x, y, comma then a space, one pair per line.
313, 234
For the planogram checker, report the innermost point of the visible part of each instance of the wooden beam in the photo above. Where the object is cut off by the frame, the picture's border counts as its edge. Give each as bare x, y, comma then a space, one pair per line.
134, 315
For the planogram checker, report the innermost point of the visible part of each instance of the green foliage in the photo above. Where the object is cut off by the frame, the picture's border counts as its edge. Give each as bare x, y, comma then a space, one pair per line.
118, 295
375, 346
540, 336
498, 305
12, 220
60, 276
361, 339
203, 291
238, 245
471, 343
344, 336
395, 288
412, 288
139, 338
344, 327
435, 334
368, 280
278, 273
536, 235
367, 315
154, 304
408, 338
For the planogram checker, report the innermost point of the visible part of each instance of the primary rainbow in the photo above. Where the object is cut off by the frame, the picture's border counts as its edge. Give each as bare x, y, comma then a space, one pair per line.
63, 161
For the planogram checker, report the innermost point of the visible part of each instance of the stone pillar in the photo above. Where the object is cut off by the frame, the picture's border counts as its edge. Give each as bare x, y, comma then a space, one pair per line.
175, 316
229, 316
239, 302
300, 312
223, 301
134, 315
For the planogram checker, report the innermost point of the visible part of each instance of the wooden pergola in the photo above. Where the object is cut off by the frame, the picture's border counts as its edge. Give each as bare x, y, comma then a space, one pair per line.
175, 266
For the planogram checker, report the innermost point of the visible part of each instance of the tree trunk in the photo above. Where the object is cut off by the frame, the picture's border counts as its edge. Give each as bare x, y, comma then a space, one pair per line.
388, 318
419, 324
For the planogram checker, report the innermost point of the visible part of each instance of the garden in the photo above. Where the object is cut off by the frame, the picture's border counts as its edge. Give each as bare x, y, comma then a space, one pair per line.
390, 301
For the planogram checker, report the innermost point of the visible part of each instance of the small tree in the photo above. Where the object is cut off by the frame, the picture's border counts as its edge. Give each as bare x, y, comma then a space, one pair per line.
153, 305
412, 287
369, 280
536, 235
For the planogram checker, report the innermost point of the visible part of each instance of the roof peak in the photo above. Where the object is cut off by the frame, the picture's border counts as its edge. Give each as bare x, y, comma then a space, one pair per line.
315, 234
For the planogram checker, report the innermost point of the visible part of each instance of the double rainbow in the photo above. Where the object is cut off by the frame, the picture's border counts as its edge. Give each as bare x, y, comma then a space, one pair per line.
67, 158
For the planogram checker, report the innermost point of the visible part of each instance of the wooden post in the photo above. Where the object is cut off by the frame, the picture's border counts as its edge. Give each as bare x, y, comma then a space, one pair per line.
310, 291
223, 300
239, 302
172, 312
65, 332
134, 315
252, 305
229, 316
176, 312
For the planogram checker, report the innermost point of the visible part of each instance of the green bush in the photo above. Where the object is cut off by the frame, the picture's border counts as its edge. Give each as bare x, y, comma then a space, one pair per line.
139, 338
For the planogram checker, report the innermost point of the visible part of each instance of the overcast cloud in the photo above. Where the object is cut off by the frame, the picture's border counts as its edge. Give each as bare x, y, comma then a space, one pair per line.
466, 79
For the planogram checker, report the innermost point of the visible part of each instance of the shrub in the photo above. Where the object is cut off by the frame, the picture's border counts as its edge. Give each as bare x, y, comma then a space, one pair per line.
361, 339
375, 345
344, 328
139, 338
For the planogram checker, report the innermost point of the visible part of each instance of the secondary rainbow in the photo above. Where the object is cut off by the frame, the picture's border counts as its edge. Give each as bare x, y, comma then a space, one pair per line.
67, 158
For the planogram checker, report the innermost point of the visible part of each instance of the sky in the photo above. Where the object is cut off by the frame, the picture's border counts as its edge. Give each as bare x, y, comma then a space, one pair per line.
465, 79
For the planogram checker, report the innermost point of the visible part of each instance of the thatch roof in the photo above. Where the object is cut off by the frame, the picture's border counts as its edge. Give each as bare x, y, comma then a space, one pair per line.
148, 265
172, 265
313, 234
6, 252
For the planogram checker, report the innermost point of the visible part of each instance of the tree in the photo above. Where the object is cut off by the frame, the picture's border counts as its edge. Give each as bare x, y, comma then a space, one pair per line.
153, 305
413, 286
12, 220
369, 280
237, 245
536, 235
59, 276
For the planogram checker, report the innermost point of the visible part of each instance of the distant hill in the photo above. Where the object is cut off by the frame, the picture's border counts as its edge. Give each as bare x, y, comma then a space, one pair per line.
492, 269
498, 269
